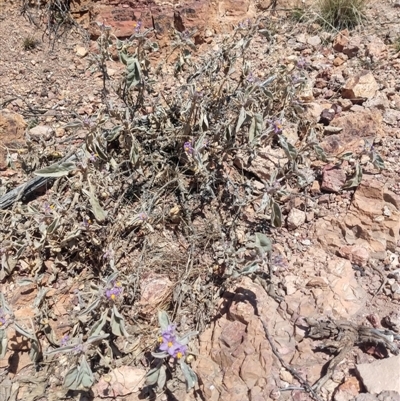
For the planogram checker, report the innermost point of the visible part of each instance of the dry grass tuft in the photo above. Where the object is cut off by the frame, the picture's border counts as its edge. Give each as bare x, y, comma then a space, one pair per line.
342, 14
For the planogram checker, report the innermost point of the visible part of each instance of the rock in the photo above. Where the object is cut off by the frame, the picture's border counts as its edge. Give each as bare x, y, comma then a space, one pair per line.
365, 397
356, 254
391, 117
365, 224
347, 390
361, 86
120, 382
155, 289
380, 101
315, 188
338, 61
356, 129
12, 128
345, 104
333, 178
236, 356
43, 132
80, 51
164, 16
341, 41
327, 116
295, 219
313, 111
381, 375
376, 49
389, 396
314, 41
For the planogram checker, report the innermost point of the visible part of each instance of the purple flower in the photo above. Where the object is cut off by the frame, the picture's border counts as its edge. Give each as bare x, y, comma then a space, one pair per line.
138, 26
277, 125
115, 291
3, 319
188, 148
93, 157
170, 344
64, 340
179, 350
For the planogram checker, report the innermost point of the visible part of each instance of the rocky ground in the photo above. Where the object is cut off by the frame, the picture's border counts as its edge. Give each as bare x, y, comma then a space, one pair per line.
333, 274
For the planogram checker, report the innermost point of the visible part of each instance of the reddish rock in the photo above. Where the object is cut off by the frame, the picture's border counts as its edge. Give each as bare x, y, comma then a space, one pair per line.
333, 179
355, 253
341, 41
347, 390
123, 17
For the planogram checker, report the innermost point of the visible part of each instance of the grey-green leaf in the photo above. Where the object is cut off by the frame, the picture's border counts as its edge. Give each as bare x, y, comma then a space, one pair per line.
58, 170
276, 214
356, 179
190, 376
3, 343
163, 319
118, 323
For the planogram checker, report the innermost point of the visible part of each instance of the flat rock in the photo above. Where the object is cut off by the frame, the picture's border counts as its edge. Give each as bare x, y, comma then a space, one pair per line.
361, 86
381, 375
356, 129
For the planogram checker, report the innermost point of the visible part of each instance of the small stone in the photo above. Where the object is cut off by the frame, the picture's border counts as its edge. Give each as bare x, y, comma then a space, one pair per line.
295, 219
345, 104
315, 187
306, 242
327, 116
41, 132
314, 41
80, 51
338, 61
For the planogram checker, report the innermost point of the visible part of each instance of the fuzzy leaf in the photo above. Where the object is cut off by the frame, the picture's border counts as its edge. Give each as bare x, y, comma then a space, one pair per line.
118, 323
152, 376
79, 377
162, 377
61, 350
377, 161
3, 343
256, 127
58, 170
320, 153
160, 355
96, 328
263, 242
241, 119
288, 148
190, 376
276, 214
184, 340
163, 320
356, 179
97, 210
